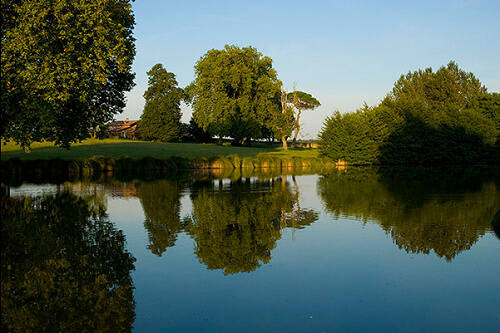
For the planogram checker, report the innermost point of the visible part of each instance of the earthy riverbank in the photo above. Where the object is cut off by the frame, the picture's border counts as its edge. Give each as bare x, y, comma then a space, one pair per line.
230, 166
94, 157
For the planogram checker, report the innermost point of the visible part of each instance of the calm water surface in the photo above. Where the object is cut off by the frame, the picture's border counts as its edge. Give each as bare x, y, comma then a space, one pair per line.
354, 250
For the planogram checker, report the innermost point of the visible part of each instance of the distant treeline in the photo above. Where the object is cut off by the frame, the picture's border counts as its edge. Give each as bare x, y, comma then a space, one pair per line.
442, 117
236, 94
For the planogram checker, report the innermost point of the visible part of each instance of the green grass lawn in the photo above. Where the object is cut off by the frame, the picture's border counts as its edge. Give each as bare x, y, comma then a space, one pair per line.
139, 149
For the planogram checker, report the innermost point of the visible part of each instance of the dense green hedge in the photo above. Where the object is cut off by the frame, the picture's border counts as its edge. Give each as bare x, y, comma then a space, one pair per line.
442, 117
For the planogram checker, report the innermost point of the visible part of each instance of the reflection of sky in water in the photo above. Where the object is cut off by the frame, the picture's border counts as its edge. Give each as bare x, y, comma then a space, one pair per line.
335, 274
33, 190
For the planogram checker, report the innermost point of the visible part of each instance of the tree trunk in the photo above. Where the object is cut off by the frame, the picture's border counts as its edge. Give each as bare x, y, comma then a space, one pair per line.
285, 144
298, 127
283, 110
236, 142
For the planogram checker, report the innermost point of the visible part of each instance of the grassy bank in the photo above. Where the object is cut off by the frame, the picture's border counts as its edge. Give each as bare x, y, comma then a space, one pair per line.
142, 158
55, 170
113, 148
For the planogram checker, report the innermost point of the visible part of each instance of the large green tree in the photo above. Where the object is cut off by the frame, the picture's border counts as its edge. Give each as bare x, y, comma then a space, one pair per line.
65, 66
161, 118
234, 92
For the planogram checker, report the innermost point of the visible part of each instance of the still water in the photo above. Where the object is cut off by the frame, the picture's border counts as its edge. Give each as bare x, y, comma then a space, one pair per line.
353, 250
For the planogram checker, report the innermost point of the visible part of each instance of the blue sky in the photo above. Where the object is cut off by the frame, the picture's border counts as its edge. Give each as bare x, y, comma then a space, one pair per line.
342, 52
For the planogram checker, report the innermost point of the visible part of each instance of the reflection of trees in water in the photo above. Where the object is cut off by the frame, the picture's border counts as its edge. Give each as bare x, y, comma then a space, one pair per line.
496, 224
161, 203
415, 210
92, 193
64, 267
236, 226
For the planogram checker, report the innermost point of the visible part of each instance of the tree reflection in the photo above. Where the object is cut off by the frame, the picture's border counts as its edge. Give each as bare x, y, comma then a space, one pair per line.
496, 224
299, 218
406, 207
235, 226
64, 267
161, 203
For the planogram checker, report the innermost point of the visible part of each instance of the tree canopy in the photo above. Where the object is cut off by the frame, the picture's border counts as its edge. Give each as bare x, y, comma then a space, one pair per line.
301, 101
447, 87
65, 66
161, 118
442, 117
234, 92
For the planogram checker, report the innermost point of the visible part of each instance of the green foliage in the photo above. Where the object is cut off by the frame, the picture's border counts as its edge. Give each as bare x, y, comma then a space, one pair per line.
302, 100
281, 123
161, 117
447, 87
64, 267
233, 92
195, 133
489, 105
345, 137
448, 136
65, 66
446, 117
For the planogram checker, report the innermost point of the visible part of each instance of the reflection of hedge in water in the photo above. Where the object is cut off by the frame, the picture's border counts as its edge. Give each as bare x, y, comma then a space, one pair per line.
236, 226
64, 267
161, 203
420, 223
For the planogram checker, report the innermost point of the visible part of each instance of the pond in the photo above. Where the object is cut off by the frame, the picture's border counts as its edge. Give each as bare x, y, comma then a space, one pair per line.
361, 249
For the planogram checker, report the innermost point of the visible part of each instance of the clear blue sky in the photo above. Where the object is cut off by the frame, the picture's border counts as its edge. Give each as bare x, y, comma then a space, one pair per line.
342, 52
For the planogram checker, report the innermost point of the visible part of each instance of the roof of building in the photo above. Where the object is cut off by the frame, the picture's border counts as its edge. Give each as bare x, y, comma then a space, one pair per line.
122, 125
